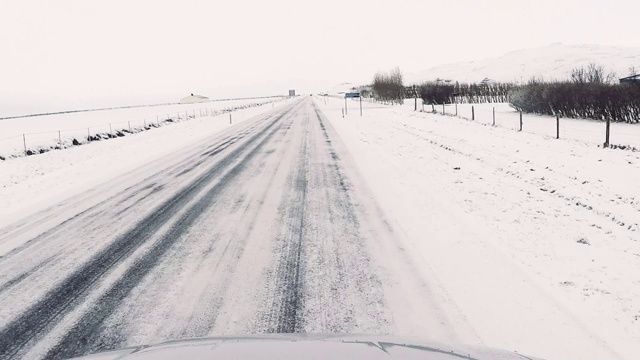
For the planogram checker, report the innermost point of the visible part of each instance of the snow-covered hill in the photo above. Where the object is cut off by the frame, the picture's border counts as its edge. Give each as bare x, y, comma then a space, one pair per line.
551, 62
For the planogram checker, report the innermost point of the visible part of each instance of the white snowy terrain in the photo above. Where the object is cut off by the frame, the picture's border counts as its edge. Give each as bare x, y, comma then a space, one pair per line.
47, 131
550, 62
535, 240
295, 219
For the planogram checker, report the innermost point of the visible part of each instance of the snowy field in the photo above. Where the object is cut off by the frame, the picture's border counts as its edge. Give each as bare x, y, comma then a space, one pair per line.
581, 130
536, 240
51, 130
406, 223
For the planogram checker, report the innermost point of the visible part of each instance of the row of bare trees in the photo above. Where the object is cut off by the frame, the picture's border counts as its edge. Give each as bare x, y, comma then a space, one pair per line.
482, 93
620, 103
446, 93
388, 86
590, 93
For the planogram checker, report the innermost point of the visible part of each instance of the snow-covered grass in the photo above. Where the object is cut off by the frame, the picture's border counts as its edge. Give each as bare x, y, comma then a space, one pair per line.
536, 240
582, 130
28, 184
46, 131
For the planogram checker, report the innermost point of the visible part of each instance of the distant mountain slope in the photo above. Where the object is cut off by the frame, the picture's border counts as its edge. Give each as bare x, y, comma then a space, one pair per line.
552, 62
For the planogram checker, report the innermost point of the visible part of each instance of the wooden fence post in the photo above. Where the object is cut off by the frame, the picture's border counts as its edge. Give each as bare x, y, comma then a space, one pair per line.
473, 113
520, 120
608, 132
494, 116
557, 126
24, 140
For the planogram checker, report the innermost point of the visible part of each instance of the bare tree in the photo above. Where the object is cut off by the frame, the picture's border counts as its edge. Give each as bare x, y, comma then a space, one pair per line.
389, 86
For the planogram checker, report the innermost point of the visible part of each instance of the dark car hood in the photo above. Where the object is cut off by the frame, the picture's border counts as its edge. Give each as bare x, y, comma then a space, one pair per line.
304, 346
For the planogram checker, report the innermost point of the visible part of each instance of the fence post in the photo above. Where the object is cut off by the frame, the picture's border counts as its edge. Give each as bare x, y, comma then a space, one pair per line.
360, 105
24, 140
520, 121
345, 106
59, 139
442, 108
456, 109
129, 125
473, 113
343, 113
494, 116
229, 117
606, 141
557, 126
88, 135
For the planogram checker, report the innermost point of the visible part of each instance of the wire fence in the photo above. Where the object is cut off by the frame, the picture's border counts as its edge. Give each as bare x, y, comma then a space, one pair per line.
31, 143
614, 135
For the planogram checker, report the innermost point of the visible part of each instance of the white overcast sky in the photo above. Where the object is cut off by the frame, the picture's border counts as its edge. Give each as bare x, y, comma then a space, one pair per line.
79, 53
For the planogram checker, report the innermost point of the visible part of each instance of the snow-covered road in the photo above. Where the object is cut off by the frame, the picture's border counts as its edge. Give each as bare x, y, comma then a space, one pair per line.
264, 227
297, 219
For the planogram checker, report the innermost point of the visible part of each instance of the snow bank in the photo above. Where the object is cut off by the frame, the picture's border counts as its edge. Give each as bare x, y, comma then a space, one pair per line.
536, 240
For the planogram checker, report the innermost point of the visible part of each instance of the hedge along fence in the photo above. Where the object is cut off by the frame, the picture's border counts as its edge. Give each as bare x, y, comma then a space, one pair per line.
599, 101
446, 93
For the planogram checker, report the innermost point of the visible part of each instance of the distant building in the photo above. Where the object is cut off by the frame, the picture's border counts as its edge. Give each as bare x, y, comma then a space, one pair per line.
633, 79
193, 99
292, 93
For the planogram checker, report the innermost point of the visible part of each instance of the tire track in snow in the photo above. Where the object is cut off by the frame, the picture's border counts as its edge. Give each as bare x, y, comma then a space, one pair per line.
322, 280
284, 316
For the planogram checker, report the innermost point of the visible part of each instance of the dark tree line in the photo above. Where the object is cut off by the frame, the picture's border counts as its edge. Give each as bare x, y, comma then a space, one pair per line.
483, 93
436, 93
619, 103
589, 93
447, 93
389, 86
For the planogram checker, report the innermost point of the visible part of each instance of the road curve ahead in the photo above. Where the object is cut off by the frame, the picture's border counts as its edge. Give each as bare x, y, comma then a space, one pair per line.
264, 228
